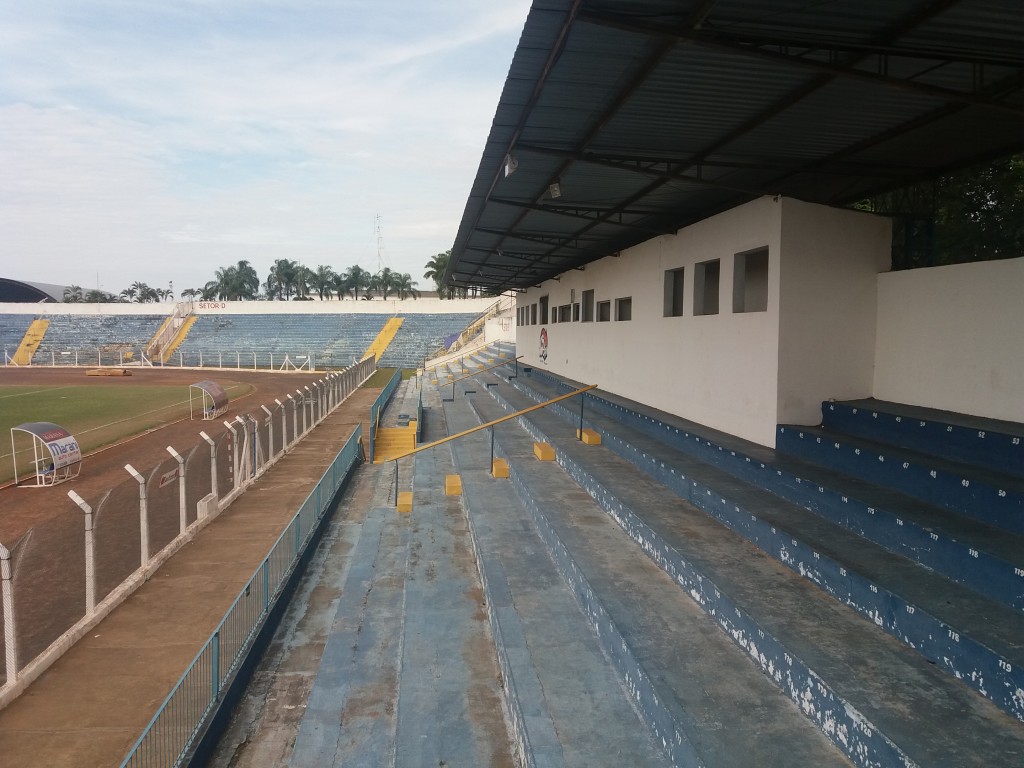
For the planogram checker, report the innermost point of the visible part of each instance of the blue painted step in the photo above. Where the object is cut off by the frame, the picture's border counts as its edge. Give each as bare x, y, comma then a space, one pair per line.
989, 497
983, 443
913, 604
984, 559
715, 576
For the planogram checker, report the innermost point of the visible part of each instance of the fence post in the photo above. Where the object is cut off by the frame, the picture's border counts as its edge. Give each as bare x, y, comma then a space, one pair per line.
297, 403
270, 432
213, 464
143, 514
295, 414
10, 637
234, 454
284, 424
309, 402
182, 513
90, 554
215, 667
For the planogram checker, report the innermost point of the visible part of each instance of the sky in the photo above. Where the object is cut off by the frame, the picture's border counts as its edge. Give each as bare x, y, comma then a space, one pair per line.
158, 140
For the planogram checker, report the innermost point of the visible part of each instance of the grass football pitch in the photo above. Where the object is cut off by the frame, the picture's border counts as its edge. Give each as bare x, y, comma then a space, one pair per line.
95, 415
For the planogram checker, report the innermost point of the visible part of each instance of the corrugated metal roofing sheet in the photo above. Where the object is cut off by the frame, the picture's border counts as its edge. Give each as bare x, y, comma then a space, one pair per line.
652, 114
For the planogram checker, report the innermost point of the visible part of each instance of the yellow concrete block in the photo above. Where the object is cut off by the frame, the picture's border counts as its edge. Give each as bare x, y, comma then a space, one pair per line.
452, 485
544, 451
499, 468
590, 437
405, 502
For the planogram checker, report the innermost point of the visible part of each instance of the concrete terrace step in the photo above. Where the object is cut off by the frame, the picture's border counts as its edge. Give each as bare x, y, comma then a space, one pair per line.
793, 624
566, 705
985, 443
687, 677
977, 640
990, 497
350, 714
982, 558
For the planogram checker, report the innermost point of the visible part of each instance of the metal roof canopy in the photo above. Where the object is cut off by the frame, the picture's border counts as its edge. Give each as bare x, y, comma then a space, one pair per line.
650, 115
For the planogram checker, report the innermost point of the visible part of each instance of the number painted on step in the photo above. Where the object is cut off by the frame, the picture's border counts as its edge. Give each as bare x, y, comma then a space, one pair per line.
906, 465
1016, 441
910, 610
1005, 666
842, 571
1018, 572
899, 419
1002, 494
981, 435
788, 658
874, 588
954, 636
899, 521
972, 552
935, 537
965, 483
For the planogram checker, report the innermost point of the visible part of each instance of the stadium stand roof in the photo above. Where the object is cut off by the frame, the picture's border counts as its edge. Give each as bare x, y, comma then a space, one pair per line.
20, 291
620, 121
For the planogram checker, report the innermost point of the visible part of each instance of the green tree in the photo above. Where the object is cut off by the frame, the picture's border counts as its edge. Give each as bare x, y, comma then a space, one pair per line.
281, 281
406, 286
359, 281
73, 294
436, 268
340, 285
322, 281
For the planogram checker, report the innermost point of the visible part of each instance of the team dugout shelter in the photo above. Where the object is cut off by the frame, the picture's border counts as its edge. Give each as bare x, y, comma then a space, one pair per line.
56, 455
207, 399
669, 188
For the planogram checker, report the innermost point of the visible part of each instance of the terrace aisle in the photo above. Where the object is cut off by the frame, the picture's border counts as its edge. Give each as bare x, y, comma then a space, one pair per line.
90, 707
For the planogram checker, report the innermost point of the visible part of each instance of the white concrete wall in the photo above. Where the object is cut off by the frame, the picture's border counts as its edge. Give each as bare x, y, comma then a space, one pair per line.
739, 372
348, 306
830, 263
719, 370
951, 338
501, 328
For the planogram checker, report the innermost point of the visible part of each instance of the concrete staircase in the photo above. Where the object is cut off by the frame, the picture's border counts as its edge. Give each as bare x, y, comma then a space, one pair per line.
384, 338
30, 342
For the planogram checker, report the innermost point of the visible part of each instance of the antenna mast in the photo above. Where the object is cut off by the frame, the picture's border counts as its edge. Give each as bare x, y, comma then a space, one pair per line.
380, 245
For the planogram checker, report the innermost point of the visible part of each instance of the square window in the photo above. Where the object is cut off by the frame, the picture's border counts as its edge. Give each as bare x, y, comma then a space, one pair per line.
674, 292
588, 306
705, 287
750, 281
624, 308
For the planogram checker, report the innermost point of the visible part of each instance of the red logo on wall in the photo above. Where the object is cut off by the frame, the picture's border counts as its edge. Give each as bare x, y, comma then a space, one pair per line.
544, 345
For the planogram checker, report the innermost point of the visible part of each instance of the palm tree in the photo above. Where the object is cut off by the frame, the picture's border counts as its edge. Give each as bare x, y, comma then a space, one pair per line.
436, 268
95, 296
359, 280
190, 293
281, 280
406, 286
129, 294
341, 285
73, 294
385, 282
322, 281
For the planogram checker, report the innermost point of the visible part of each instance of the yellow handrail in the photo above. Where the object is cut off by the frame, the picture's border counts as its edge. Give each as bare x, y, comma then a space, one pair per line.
477, 428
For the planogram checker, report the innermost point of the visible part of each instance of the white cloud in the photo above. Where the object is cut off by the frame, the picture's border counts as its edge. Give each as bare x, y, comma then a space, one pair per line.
158, 141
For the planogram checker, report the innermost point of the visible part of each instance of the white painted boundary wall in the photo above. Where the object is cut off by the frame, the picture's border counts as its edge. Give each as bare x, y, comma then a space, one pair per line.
426, 306
951, 338
739, 372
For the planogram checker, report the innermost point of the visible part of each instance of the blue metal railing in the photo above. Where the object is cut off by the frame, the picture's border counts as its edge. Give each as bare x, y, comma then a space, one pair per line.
173, 729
